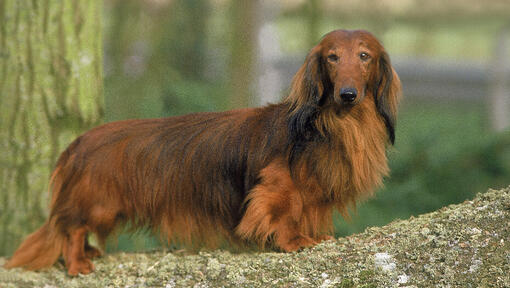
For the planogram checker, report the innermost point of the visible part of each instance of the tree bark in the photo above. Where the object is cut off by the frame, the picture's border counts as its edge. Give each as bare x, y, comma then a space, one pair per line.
50, 91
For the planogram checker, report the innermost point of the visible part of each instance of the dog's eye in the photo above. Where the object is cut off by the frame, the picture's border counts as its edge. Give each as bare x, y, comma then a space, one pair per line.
364, 56
332, 57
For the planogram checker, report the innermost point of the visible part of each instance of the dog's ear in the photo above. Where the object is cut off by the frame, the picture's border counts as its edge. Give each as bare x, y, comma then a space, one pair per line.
305, 94
308, 83
387, 93
314, 76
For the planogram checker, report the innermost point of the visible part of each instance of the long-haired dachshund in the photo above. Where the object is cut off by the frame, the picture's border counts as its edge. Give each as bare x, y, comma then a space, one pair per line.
269, 175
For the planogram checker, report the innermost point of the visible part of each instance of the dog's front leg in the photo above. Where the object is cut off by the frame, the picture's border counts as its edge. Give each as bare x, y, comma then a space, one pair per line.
274, 212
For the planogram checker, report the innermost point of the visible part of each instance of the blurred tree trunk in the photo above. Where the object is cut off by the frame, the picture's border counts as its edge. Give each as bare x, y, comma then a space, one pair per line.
50, 91
242, 67
183, 38
120, 75
190, 28
313, 11
154, 48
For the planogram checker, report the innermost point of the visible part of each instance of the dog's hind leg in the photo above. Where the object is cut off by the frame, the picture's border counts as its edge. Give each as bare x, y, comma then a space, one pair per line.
74, 252
77, 250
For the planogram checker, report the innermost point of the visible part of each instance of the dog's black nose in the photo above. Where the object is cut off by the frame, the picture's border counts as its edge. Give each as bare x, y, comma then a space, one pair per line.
348, 94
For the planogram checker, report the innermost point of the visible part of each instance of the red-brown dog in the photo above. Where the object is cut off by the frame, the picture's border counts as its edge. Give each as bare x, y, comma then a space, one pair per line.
269, 175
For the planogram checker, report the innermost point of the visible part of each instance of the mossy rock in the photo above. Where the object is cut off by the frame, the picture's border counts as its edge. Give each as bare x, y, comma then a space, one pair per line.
464, 245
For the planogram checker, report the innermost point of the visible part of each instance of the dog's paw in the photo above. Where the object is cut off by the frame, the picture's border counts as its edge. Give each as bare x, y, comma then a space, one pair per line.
80, 266
297, 243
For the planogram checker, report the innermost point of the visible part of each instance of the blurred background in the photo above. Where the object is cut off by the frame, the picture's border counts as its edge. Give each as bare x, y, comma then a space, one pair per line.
171, 57
177, 56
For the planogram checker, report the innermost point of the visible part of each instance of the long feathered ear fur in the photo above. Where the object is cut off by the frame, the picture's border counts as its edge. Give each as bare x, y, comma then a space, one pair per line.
387, 94
305, 94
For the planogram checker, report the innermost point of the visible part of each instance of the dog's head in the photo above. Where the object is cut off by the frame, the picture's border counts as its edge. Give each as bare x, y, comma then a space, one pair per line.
343, 69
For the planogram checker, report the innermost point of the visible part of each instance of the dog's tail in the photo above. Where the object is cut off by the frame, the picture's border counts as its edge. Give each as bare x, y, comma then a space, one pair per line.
43, 247
39, 250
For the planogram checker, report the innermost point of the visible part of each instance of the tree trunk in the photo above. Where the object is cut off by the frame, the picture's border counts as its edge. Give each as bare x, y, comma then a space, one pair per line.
50, 91
313, 18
